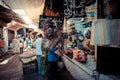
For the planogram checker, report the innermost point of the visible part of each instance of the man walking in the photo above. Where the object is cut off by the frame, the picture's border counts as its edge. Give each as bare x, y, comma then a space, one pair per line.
38, 52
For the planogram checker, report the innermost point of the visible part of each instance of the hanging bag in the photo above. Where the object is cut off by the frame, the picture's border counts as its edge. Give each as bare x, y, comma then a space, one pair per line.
105, 31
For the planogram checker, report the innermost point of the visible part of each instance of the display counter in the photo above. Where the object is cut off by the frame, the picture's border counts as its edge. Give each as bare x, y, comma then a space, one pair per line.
29, 63
76, 69
26, 57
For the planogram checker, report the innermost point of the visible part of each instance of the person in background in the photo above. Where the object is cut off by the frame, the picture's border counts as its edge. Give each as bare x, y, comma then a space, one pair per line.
28, 42
88, 47
2, 49
38, 51
15, 45
21, 47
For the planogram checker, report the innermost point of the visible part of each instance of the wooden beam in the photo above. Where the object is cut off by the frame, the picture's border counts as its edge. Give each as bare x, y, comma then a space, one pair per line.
5, 19
2, 23
7, 15
5, 9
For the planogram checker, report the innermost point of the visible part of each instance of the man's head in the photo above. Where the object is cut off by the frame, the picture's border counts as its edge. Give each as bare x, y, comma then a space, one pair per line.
50, 29
2, 38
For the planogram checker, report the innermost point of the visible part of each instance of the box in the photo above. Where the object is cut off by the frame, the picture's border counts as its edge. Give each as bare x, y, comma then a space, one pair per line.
30, 67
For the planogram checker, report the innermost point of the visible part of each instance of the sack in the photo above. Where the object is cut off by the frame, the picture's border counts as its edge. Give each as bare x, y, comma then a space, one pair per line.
105, 32
79, 55
82, 56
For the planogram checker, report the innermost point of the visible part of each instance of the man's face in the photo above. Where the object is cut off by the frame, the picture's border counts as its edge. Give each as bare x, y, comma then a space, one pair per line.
49, 31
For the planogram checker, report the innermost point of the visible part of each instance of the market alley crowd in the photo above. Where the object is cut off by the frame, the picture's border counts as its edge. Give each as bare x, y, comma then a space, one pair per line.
48, 49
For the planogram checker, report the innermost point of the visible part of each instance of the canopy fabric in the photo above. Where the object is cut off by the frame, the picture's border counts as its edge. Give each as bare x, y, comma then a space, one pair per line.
14, 26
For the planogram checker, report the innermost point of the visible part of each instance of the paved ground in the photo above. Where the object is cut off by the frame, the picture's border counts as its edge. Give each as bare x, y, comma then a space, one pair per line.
11, 69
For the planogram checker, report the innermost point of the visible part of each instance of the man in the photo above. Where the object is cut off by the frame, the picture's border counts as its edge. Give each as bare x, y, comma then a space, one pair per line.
15, 45
54, 42
2, 45
38, 51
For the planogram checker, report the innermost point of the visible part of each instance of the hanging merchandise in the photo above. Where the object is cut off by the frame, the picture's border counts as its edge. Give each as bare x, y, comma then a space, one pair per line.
105, 32
87, 35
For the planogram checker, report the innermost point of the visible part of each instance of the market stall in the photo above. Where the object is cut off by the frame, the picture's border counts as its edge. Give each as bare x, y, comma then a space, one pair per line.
29, 63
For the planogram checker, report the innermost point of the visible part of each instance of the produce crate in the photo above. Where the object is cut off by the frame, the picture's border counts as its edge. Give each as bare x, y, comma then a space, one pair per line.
29, 62
30, 67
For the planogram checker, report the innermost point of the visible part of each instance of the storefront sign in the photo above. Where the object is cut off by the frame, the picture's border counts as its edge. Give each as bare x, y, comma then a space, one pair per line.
57, 20
74, 8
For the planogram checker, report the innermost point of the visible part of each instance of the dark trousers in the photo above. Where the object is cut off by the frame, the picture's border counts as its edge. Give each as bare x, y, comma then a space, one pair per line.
21, 50
2, 50
53, 73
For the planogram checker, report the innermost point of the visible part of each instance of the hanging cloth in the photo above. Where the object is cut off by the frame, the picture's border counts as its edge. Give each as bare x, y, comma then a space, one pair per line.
105, 32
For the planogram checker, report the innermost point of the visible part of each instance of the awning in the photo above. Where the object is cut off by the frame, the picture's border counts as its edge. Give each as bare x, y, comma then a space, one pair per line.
14, 26
7, 15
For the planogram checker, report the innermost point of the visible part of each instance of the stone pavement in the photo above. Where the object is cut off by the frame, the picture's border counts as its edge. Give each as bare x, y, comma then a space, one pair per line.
11, 69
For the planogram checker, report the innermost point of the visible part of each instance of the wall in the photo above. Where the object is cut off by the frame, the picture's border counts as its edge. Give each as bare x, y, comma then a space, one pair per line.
5, 35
